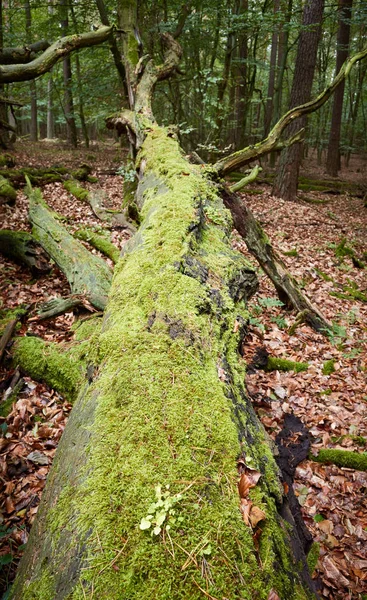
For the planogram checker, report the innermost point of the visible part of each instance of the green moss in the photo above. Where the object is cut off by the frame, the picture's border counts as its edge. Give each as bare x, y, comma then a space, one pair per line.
7, 315
328, 367
100, 242
282, 364
323, 275
7, 191
313, 557
42, 589
293, 252
169, 407
82, 173
6, 406
76, 190
7, 160
45, 361
342, 458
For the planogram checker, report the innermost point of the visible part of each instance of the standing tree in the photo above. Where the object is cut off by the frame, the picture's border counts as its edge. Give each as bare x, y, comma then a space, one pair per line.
333, 153
164, 484
286, 180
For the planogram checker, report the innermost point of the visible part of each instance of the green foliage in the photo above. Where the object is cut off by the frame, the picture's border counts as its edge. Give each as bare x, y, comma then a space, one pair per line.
161, 513
328, 367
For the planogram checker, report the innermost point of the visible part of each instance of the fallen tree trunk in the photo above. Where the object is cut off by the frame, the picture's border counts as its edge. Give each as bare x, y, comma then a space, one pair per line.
164, 484
87, 274
22, 247
287, 288
44, 176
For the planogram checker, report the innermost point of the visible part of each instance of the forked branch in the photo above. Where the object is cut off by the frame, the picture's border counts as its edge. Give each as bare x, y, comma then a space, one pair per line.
246, 155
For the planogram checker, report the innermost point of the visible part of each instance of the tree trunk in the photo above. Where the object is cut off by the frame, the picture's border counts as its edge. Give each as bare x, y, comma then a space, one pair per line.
32, 86
286, 181
166, 415
271, 81
333, 155
72, 135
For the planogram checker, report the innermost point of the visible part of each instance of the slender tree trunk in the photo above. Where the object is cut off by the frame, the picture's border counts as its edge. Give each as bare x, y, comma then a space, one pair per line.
286, 180
80, 85
72, 136
4, 132
271, 82
50, 109
32, 85
281, 66
240, 82
333, 155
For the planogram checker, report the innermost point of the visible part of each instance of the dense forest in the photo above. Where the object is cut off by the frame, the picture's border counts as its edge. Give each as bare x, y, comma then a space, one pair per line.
183, 204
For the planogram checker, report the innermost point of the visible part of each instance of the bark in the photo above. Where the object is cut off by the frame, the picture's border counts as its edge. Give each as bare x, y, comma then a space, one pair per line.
87, 274
272, 71
333, 155
21, 247
68, 108
43, 63
43, 176
286, 181
146, 420
286, 286
32, 84
22, 55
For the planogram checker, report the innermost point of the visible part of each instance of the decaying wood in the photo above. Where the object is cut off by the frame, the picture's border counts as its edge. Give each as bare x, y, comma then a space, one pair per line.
88, 275
258, 244
98, 200
43, 176
22, 247
6, 337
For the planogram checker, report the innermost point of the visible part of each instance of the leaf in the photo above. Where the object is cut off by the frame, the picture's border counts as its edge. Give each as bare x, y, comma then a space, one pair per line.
160, 518
5, 559
256, 515
273, 595
144, 524
157, 530
245, 507
38, 458
247, 481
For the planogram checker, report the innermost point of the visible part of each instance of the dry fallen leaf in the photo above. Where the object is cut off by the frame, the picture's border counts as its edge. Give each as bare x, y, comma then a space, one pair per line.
256, 515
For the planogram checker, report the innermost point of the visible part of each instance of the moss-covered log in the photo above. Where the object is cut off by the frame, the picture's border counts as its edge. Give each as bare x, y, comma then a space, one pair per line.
342, 458
43, 176
100, 242
8, 194
62, 368
163, 447
86, 273
22, 247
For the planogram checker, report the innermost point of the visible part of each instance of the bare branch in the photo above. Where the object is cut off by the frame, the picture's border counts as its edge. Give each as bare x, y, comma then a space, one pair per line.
243, 157
58, 50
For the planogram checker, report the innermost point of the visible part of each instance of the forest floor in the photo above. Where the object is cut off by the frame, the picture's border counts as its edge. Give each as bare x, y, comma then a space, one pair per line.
330, 397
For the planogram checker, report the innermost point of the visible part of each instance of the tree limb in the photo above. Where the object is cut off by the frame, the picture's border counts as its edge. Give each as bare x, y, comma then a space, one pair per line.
22, 55
246, 155
258, 244
58, 50
236, 187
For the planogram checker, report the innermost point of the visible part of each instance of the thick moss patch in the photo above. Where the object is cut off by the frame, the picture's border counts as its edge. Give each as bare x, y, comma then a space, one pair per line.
342, 458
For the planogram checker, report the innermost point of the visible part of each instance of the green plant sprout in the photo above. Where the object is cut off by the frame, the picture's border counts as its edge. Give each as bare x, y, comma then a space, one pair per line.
159, 512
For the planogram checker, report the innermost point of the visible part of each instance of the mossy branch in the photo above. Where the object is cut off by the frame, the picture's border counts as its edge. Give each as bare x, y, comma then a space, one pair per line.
246, 155
45, 361
61, 48
342, 458
236, 187
100, 242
